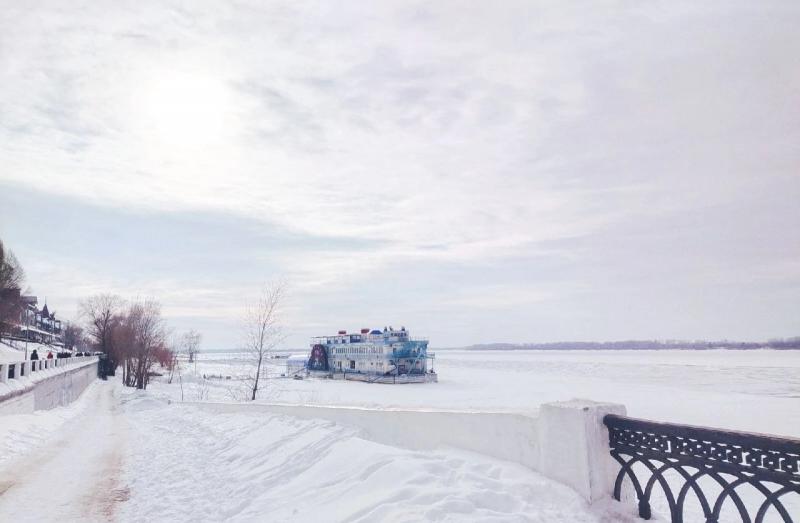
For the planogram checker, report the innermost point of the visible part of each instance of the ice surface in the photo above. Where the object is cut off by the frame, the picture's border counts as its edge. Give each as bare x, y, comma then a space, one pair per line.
757, 391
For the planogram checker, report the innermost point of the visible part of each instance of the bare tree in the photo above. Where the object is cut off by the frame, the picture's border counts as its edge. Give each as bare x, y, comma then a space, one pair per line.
12, 278
175, 344
263, 333
73, 337
190, 343
101, 313
121, 339
149, 335
176, 363
187, 343
11, 274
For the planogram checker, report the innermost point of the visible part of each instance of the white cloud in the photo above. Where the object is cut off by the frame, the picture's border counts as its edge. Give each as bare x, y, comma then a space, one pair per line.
448, 132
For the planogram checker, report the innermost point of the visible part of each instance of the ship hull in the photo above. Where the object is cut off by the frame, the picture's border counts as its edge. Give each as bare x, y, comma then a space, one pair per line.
428, 377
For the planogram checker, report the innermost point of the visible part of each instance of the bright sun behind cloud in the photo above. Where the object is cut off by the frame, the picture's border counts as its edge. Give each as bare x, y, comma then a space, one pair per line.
185, 110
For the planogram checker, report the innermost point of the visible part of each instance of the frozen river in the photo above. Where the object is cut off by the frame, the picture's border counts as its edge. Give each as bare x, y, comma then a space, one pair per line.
756, 391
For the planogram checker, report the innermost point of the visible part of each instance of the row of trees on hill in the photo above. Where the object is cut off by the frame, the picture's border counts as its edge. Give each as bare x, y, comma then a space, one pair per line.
134, 335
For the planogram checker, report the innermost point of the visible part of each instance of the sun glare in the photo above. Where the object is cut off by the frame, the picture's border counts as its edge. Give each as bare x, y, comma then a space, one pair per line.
186, 109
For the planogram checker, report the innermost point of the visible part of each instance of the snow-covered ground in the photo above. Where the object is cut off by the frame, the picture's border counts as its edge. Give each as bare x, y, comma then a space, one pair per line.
757, 391
125, 455
63, 464
12, 351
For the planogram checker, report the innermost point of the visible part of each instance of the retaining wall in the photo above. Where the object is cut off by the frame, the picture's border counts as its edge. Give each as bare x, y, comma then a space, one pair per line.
44, 384
566, 441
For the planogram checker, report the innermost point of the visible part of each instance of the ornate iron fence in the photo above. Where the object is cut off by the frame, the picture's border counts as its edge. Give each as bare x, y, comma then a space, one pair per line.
677, 457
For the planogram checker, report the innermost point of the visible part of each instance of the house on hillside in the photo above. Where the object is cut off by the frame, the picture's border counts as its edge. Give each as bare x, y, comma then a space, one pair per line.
34, 324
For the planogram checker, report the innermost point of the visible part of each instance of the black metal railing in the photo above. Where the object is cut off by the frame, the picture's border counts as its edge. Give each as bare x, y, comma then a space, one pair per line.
686, 460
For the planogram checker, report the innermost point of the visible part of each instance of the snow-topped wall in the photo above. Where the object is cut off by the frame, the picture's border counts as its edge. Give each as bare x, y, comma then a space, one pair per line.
567, 441
44, 384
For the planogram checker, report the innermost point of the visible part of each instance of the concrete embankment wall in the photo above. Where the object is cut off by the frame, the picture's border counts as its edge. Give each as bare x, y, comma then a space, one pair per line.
566, 441
501, 435
44, 388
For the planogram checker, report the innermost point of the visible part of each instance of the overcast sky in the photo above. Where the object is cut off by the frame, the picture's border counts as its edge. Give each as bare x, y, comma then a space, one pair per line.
475, 171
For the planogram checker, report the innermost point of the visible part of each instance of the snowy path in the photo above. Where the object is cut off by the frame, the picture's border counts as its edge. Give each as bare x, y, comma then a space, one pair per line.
74, 475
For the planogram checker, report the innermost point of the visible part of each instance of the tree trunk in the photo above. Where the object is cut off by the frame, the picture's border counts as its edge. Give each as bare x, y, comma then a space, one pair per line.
258, 375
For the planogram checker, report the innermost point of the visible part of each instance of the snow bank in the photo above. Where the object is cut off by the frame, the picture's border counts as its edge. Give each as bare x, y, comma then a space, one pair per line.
14, 350
21, 434
201, 463
7, 354
567, 441
506, 436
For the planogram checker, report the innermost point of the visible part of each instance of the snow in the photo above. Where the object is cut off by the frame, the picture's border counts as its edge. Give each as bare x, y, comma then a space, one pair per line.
22, 433
146, 458
237, 466
755, 391
144, 455
14, 351
67, 471
9, 355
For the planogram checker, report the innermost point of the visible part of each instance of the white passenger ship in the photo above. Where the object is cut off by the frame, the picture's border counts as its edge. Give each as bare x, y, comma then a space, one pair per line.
388, 356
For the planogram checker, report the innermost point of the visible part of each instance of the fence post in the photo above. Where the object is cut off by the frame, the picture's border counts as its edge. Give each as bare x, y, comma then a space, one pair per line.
574, 446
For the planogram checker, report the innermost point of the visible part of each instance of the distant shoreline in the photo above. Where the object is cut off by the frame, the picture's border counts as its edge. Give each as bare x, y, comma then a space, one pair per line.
775, 344
787, 344
585, 349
